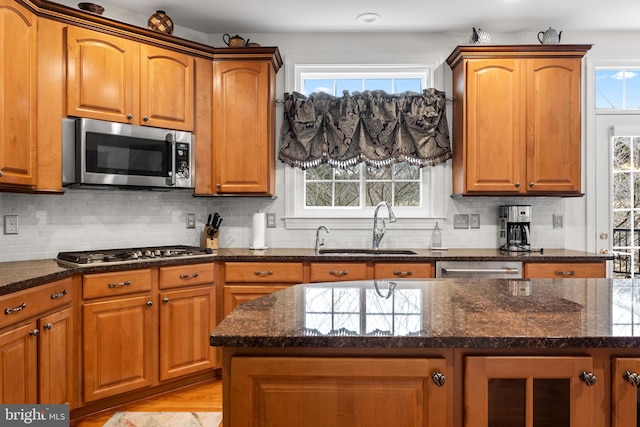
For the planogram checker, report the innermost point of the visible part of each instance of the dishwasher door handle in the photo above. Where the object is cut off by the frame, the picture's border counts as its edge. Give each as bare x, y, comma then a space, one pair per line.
481, 270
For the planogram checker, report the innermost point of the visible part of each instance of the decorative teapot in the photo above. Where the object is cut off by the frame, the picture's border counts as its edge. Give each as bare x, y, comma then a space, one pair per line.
235, 41
480, 37
550, 36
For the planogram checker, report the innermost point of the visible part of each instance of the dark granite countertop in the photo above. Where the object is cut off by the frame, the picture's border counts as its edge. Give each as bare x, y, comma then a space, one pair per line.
440, 313
18, 275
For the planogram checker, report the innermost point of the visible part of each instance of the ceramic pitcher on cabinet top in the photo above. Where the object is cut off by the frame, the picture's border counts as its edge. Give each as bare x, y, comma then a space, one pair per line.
550, 36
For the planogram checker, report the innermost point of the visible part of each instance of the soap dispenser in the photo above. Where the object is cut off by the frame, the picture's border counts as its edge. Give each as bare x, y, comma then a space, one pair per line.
436, 238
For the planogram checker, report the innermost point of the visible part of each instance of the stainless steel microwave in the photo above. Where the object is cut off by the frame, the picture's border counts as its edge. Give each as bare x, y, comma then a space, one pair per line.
100, 153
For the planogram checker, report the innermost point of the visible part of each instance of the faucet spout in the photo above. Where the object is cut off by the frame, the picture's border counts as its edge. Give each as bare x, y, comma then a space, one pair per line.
320, 242
379, 226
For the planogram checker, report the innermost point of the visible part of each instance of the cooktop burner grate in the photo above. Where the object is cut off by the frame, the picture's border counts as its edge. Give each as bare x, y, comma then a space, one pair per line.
120, 256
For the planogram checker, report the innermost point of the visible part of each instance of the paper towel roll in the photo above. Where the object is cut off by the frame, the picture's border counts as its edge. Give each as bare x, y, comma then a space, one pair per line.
259, 229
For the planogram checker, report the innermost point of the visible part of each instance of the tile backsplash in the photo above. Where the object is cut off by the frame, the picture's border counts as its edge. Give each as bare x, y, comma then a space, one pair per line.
101, 219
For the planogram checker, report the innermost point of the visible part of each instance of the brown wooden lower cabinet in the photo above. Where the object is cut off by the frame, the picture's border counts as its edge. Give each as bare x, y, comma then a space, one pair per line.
118, 339
565, 270
36, 345
527, 391
624, 394
317, 391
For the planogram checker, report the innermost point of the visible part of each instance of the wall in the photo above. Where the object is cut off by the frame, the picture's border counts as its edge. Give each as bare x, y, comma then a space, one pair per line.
90, 219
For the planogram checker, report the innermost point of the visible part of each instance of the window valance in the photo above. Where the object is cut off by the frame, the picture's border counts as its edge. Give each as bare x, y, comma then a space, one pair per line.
372, 127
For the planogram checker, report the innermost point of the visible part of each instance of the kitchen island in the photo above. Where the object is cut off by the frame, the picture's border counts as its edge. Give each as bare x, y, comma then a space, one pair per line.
434, 352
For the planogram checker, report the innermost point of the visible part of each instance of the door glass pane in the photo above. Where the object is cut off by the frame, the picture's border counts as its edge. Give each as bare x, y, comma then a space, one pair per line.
626, 205
507, 402
551, 402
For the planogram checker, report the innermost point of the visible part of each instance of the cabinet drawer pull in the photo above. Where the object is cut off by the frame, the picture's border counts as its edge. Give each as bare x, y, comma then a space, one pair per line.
338, 273
438, 378
402, 273
47, 326
588, 378
34, 332
59, 295
263, 273
517, 185
632, 378
188, 276
565, 273
18, 308
119, 284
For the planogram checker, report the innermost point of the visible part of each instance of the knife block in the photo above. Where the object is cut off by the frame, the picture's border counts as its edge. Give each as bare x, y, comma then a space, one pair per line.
210, 242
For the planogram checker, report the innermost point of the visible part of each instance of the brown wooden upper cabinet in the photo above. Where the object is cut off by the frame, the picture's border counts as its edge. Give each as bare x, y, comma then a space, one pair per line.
516, 119
243, 157
18, 75
117, 79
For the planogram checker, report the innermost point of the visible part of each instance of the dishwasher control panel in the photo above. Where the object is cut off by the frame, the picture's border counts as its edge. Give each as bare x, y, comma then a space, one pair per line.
479, 269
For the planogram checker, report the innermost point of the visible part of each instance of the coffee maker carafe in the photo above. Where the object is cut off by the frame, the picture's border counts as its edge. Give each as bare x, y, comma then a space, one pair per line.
514, 233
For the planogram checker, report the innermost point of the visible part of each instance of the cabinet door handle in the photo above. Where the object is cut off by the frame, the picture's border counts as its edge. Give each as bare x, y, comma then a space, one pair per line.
145, 118
438, 378
532, 184
338, 273
18, 308
588, 378
632, 378
1, 173
565, 273
149, 303
119, 284
165, 300
188, 276
517, 185
59, 295
402, 273
34, 332
263, 273
47, 326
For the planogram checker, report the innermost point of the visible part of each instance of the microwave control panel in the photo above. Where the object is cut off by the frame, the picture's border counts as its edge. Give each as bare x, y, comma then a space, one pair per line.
182, 160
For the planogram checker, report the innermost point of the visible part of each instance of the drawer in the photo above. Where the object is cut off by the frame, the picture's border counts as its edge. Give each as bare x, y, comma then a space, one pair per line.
403, 271
32, 302
185, 275
115, 283
567, 270
333, 272
268, 272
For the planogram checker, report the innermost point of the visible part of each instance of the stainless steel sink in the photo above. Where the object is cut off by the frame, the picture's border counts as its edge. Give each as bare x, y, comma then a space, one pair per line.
346, 251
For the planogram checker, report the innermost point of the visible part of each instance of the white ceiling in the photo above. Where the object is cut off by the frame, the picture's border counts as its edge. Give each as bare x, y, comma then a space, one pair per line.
276, 16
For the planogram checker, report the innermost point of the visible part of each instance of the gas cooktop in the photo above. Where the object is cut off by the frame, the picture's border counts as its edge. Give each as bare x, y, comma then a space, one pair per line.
122, 256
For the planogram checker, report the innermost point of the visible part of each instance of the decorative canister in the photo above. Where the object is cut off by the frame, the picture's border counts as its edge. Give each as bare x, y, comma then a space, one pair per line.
160, 22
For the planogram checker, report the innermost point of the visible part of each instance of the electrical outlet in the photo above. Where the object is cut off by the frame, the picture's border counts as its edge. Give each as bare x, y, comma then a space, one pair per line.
11, 224
474, 220
191, 220
557, 221
271, 220
460, 221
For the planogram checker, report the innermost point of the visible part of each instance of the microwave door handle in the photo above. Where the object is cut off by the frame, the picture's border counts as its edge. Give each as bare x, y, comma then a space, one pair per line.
171, 140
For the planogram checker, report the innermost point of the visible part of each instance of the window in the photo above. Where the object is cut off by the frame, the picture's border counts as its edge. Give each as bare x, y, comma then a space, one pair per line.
353, 192
618, 89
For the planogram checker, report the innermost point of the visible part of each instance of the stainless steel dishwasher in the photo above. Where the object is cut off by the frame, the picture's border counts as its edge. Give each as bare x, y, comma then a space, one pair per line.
479, 269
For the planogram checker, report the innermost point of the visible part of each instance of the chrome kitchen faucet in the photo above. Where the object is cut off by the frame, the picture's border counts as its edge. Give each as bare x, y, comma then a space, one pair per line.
379, 226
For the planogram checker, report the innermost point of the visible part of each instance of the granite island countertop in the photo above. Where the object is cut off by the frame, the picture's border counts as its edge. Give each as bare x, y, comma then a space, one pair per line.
19, 275
439, 313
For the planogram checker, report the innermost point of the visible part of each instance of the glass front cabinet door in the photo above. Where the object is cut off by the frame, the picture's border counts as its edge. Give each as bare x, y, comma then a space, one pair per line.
516, 391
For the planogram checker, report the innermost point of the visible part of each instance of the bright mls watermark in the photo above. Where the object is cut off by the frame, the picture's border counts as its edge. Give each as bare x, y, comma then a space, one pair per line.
34, 415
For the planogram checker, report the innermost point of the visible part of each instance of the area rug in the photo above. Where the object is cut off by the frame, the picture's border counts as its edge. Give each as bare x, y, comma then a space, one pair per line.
165, 419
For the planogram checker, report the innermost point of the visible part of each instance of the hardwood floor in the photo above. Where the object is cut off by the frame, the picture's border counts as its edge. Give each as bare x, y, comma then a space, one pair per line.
200, 397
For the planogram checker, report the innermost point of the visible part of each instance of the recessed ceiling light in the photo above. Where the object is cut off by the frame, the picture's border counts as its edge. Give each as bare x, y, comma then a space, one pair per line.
368, 18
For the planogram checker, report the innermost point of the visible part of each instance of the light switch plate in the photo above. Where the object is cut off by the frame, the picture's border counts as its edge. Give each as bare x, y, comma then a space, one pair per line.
557, 221
460, 221
474, 220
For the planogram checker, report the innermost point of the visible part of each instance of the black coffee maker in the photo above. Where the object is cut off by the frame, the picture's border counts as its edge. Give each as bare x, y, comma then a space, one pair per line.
514, 231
